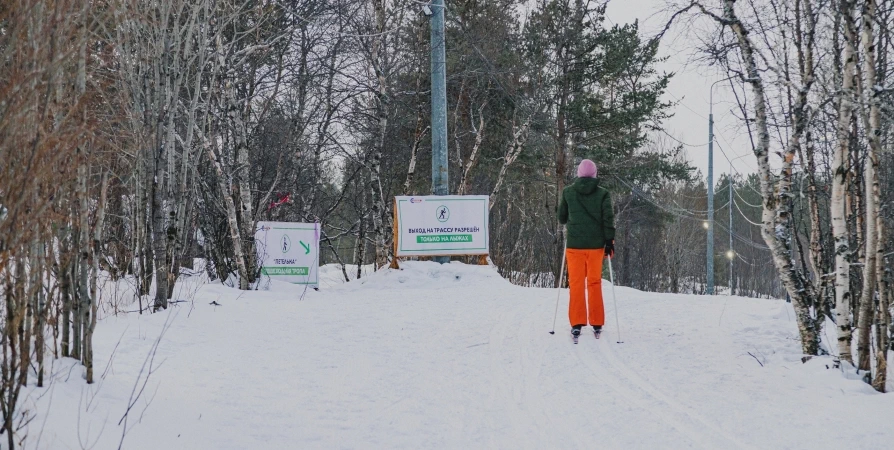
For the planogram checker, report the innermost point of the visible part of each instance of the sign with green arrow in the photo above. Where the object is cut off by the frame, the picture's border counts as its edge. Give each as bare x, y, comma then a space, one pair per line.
282, 260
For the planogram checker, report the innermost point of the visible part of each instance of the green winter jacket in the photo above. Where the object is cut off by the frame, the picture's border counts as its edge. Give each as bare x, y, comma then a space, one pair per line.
587, 210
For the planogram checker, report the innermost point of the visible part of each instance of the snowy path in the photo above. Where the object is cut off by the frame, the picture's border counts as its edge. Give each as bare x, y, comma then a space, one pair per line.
455, 357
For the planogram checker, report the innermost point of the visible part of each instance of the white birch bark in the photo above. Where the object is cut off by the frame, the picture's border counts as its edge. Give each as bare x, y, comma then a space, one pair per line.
382, 100
83, 261
883, 320
414, 151
871, 185
232, 223
519, 139
838, 206
96, 251
776, 214
464, 182
86, 303
184, 199
241, 178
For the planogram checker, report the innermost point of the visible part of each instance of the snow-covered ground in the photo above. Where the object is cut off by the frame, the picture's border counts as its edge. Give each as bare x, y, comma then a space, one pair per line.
451, 357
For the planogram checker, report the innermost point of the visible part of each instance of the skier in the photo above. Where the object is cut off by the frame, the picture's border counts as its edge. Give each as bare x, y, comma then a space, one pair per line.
586, 210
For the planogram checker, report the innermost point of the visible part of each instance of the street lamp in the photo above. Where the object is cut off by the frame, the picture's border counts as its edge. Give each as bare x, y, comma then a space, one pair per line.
710, 223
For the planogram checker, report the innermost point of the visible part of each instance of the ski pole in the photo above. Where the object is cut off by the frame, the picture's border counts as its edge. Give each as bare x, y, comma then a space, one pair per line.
611, 274
559, 294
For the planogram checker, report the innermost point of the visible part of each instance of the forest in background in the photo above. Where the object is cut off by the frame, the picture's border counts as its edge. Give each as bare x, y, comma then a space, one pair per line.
137, 136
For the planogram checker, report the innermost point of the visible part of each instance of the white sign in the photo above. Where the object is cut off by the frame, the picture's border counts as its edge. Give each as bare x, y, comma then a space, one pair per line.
289, 251
442, 225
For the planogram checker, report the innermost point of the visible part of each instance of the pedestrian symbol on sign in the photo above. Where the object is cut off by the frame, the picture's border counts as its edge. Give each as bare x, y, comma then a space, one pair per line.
443, 213
285, 244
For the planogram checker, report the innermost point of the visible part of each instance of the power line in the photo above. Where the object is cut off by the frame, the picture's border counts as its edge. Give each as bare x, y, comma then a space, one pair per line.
744, 239
677, 212
746, 201
769, 261
682, 213
727, 142
734, 168
743, 214
680, 101
681, 142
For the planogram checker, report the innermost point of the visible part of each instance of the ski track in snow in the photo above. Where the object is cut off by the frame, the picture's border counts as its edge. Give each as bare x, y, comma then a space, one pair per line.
677, 408
647, 405
454, 357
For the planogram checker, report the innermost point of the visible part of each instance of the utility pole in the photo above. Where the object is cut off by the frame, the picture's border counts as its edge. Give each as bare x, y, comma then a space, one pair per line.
731, 254
439, 181
710, 223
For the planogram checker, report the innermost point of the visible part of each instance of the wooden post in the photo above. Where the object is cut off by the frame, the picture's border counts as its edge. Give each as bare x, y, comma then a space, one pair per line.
396, 230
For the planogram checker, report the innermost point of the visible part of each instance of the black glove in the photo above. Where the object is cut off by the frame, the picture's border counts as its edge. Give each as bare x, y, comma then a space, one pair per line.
610, 248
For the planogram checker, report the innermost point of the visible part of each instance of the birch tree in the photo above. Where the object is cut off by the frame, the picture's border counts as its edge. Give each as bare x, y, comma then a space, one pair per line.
776, 188
843, 296
872, 122
164, 47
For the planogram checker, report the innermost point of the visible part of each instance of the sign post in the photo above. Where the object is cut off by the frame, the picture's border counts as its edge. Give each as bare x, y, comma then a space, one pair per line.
446, 225
289, 251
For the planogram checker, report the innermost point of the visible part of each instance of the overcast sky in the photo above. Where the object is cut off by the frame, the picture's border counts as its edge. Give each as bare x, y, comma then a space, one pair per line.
689, 87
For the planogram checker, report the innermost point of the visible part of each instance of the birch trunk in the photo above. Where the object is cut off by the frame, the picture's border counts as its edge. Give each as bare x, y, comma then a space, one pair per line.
232, 224
871, 185
243, 184
883, 320
465, 182
159, 231
27, 303
458, 159
817, 255
183, 198
417, 142
519, 139
805, 43
40, 312
360, 248
776, 226
420, 131
838, 203
65, 294
96, 248
83, 264
382, 100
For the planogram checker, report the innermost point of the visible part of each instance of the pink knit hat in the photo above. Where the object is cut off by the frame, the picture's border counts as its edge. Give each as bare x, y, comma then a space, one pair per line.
586, 169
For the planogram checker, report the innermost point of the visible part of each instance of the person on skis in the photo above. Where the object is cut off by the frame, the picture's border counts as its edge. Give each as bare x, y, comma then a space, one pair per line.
586, 211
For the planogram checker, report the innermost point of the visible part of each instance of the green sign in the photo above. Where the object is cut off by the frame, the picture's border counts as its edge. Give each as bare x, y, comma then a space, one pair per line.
440, 238
286, 270
442, 225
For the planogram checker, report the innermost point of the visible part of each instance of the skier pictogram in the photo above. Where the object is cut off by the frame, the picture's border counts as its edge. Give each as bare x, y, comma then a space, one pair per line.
443, 213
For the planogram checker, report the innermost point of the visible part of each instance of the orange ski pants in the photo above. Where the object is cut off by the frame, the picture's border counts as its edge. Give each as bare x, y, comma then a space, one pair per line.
585, 283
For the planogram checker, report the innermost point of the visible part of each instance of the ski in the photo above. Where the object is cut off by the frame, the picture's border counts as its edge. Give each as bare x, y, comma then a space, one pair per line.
597, 333
574, 338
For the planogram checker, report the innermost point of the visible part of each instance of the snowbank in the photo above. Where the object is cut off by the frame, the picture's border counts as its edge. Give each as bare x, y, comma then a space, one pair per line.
451, 356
